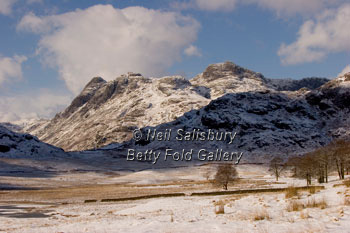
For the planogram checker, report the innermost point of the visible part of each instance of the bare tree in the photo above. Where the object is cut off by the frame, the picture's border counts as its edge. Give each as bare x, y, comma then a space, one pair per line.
293, 162
340, 151
306, 168
276, 166
322, 158
225, 174
207, 172
318, 163
319, 160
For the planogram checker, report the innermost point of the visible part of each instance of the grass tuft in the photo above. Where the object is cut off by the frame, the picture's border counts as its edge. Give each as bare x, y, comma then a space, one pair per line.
312, 203
291, 191
312, 190
347, 183
219, 207
295, 206
261, 214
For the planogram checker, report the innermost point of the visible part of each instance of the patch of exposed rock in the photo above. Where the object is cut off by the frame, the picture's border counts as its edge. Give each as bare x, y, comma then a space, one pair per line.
228, 77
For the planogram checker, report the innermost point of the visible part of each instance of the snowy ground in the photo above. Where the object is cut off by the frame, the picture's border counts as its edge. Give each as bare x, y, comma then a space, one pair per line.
61, 207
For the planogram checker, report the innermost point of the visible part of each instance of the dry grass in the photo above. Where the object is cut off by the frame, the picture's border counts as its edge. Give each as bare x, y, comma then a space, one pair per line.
73, 191
219, 207
295, 206
172, 217
304, 214
312, 190
260, 214
347, 200
291, 191
313, 203
80, 193
347, 183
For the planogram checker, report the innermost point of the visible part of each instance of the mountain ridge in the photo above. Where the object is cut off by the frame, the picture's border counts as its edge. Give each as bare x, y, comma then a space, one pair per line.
106, 112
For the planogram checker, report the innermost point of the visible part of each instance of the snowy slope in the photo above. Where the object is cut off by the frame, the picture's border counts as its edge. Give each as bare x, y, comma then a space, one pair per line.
17, 145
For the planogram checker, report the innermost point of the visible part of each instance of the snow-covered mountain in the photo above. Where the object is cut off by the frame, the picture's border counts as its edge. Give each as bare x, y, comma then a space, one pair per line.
267, 123
294, 85
107, 112
17, 145
223, 78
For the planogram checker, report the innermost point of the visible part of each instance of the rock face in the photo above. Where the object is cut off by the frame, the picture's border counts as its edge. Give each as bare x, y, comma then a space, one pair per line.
335, 93
107, 112
16, 145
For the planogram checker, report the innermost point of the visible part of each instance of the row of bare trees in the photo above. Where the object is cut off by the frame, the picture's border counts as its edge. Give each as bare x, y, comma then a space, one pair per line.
318, 163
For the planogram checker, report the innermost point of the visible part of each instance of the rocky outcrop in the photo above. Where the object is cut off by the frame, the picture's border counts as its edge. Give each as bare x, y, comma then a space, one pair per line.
223, 78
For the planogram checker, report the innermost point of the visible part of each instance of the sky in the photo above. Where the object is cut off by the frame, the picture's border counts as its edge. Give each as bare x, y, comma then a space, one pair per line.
49, 50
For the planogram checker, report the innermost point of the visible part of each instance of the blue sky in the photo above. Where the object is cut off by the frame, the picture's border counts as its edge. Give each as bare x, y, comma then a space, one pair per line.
50, 49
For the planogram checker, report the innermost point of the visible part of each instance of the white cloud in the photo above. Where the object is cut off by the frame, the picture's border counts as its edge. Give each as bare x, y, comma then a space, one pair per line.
344, 71
192, 51
282, 8
104, 41
34, 1
6, 6
217, 5
329, 33
10, 68
205, 5
43, 103
285, 8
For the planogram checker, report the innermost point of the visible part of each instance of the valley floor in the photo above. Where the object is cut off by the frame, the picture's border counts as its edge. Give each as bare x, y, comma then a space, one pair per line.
56, 203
